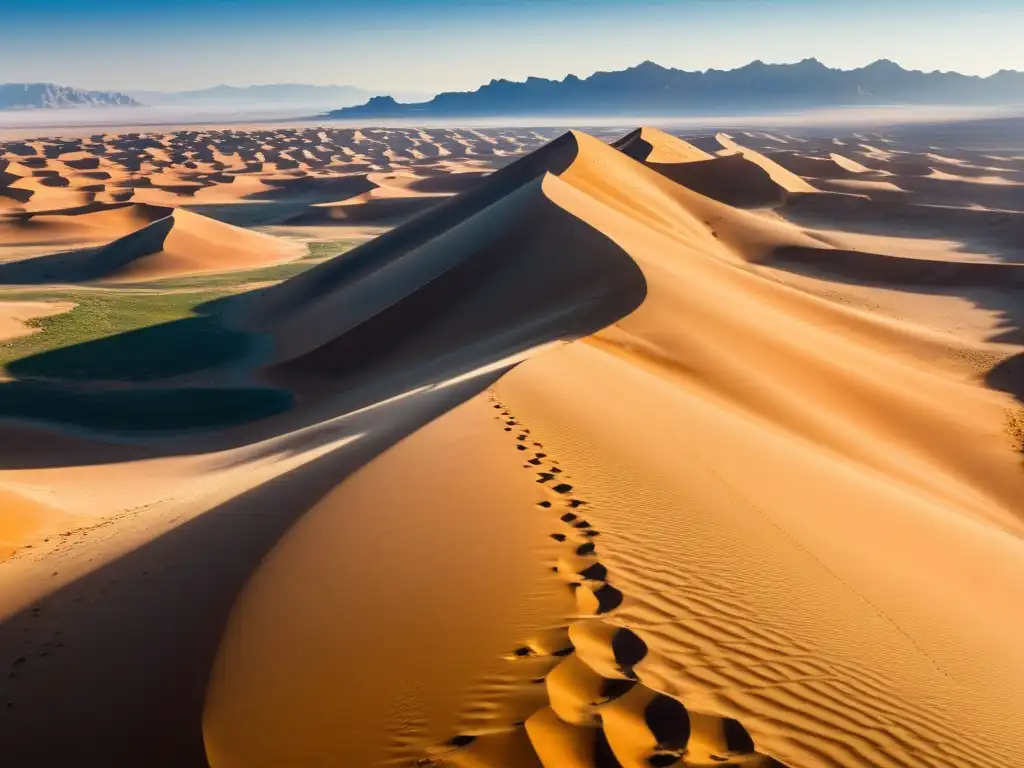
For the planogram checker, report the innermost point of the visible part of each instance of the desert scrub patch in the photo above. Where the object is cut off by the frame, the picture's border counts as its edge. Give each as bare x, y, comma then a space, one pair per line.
1015, 428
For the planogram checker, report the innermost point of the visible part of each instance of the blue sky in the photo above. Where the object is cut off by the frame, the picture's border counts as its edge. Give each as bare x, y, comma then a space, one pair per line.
432, 45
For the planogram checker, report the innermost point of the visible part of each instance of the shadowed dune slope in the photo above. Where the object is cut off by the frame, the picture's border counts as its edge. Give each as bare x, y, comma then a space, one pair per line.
462, 259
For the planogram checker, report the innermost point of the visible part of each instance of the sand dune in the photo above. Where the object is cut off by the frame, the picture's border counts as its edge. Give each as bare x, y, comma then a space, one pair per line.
733, 179
150, 242
736, 360
91, 223
833, 167
649, 145
785, 179
183, 243
224, 173
587, 466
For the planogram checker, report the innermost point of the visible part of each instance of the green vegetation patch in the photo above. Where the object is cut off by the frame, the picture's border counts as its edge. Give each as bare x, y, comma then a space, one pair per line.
140, 409
331, 248
123, 336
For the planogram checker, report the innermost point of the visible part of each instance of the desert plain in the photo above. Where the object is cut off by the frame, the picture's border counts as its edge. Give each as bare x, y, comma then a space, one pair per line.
509, 447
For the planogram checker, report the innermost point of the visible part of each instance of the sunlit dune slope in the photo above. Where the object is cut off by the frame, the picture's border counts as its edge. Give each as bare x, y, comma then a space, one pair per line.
23, 516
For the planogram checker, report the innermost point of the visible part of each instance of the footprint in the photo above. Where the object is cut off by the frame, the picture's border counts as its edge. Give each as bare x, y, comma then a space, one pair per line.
557, 743
611, 650
573, 567
551, 642
597, 598
645, 728
575, 691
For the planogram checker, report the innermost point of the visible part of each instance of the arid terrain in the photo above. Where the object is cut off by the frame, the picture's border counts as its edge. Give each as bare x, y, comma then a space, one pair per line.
510, 448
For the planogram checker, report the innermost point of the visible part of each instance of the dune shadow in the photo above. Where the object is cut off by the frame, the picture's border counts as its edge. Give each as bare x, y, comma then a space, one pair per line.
130, 646
997, 288
124, 382
999, 234
250, 213
1008, 376
145, 409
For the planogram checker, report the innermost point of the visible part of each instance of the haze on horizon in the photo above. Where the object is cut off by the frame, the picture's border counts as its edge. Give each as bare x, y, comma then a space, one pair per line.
435, 45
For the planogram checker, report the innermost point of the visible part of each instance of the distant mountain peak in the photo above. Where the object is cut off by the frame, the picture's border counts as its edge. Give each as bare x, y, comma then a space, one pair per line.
649, 66
52, 96
884, 65
277, 95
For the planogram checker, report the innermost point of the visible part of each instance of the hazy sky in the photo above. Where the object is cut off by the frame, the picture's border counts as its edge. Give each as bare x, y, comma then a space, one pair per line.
432, 45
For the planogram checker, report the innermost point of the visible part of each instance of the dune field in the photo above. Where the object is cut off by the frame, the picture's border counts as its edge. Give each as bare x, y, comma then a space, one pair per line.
512, 448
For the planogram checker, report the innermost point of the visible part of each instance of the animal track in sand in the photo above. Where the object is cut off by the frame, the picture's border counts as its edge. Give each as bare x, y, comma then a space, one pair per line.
598, 713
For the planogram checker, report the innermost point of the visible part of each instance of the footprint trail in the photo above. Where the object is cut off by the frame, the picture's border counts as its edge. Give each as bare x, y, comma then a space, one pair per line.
590, 709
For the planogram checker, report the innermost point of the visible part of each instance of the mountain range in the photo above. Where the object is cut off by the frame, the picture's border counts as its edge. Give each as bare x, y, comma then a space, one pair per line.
50, 96
650, 89
282, 95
